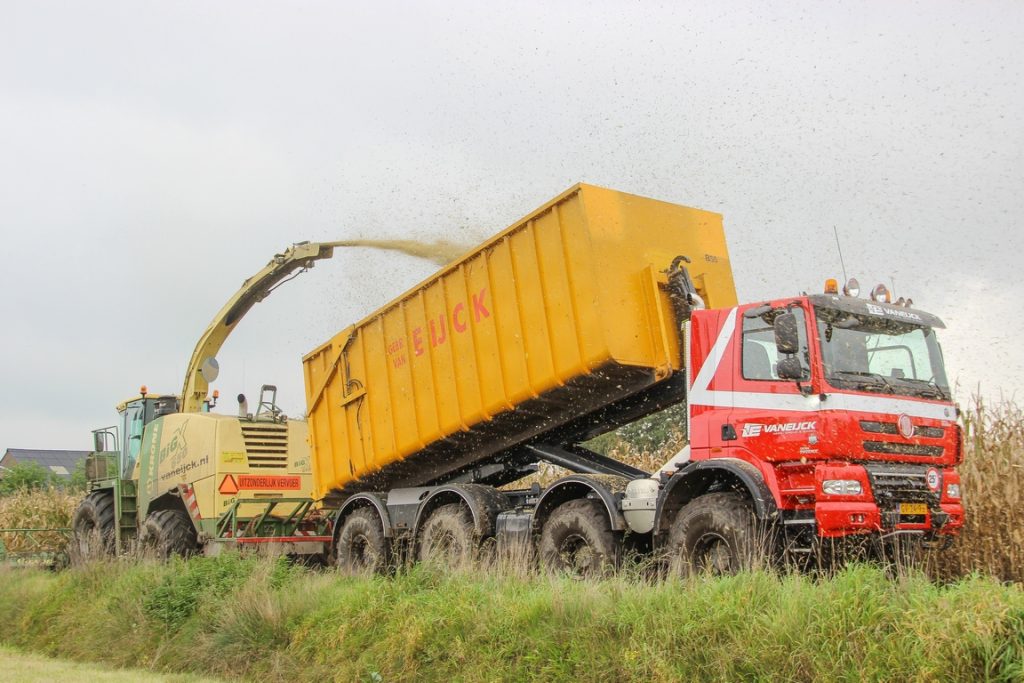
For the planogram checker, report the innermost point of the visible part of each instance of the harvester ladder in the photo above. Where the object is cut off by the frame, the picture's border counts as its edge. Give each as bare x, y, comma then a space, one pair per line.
128, 510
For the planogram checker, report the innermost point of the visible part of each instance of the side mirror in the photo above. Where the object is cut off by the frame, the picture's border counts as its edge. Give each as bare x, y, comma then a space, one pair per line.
787, 334
790, 368
99, 442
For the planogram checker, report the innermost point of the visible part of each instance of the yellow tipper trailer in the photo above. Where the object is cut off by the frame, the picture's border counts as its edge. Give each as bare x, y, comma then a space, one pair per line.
561, 314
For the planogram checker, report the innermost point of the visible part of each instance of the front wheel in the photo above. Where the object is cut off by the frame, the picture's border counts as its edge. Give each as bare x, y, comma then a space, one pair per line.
169, 532
92, 528
715, 533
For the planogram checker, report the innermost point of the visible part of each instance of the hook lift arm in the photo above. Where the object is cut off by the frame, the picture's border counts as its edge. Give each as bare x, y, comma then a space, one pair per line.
202, 367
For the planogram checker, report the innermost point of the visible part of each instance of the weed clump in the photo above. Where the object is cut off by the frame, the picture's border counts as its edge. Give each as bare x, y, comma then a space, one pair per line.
177, 597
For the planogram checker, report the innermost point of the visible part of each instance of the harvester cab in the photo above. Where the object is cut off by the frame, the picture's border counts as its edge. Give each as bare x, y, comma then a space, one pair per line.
116, 448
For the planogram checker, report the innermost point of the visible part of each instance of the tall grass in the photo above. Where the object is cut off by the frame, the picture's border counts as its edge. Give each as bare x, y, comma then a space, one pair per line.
263, 620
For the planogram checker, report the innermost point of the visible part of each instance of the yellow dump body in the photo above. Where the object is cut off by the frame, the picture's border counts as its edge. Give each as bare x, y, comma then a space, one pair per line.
559, 315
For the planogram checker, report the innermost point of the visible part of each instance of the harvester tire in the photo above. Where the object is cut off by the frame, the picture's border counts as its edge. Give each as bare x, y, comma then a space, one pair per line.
716, 533
168, 532
448, 537
361, 547
92, 528
577, 539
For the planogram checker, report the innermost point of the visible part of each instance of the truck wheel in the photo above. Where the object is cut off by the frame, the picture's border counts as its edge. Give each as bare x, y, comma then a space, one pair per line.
714, 533
168, 532
92, 535
448, 537
577, 539
361, 546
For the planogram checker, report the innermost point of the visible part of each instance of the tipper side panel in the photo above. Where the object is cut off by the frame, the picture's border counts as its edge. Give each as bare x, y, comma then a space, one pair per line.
556, 316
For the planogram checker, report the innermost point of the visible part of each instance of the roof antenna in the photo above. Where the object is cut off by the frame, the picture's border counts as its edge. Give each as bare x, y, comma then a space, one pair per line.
840, 249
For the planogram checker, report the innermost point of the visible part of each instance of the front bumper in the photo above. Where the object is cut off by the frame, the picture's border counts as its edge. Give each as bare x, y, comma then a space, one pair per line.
837, 519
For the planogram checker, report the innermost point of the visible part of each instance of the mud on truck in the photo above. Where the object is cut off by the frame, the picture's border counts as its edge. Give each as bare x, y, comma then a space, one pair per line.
810, 419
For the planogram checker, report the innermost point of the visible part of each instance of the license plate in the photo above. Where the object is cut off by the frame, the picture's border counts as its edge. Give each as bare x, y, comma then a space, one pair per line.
913, 508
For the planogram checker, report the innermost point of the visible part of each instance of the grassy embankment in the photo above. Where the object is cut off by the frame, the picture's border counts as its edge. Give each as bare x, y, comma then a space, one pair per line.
259, 619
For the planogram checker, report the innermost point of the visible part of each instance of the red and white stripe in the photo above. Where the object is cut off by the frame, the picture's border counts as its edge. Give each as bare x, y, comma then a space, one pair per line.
188, 495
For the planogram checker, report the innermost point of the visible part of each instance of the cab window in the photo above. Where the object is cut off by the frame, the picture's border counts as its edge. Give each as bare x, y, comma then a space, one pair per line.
132, 428
760, 356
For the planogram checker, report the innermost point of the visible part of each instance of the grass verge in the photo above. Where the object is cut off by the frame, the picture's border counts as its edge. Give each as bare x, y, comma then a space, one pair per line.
30, 668
236, 617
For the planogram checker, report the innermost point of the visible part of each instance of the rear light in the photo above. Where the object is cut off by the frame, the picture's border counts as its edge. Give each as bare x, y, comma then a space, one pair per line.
953, 491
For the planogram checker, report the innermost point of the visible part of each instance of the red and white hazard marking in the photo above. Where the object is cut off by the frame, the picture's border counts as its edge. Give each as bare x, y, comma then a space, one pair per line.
188, 495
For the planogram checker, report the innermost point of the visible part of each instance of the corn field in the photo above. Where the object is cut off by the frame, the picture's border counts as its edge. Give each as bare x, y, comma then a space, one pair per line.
38, 509
992, 474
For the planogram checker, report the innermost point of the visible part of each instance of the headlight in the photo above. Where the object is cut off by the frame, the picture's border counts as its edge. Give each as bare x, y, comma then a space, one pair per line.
952, 490
841, 487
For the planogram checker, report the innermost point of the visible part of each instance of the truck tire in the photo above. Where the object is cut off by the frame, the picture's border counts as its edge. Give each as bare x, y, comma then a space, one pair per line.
92, 528
715, 533
361, 547
168, 532
448, 537
577, 539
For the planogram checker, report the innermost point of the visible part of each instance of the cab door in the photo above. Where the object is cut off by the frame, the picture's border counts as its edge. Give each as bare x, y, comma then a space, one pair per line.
772, 417
133, 421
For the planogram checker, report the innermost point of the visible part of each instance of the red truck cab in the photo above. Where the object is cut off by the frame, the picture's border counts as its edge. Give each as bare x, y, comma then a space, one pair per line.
840, 403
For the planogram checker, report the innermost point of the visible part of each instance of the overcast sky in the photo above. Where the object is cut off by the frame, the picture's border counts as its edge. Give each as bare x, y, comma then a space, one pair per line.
154, 155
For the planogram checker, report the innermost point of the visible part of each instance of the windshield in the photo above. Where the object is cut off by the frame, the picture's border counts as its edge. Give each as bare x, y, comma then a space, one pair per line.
877, 354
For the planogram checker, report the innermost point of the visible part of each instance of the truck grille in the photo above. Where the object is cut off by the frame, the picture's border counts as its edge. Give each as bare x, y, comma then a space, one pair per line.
900, 448
266, 445
890, 428
894, 484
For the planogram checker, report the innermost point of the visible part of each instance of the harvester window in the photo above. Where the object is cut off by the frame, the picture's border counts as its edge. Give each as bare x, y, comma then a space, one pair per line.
134, 423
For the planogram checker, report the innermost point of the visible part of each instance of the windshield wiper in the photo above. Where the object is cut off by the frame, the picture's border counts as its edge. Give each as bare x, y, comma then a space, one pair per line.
937, 391
881, 380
